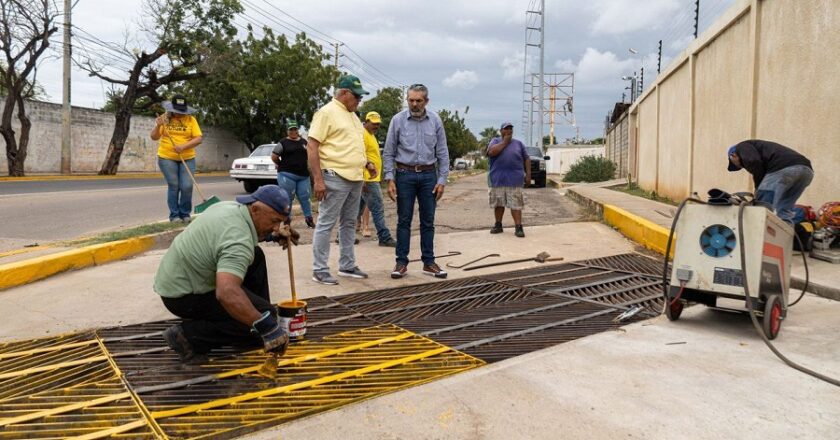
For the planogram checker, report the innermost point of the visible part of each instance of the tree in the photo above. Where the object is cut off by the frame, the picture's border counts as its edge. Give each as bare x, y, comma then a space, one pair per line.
189, 36
458, 137
264, 82
387, 103
25, 30
487, 135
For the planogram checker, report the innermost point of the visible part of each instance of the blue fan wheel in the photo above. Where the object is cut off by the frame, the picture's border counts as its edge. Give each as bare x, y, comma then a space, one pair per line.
717, 241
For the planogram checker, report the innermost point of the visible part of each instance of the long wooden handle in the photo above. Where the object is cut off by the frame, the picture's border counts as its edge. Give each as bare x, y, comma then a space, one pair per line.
195, 184
291, 270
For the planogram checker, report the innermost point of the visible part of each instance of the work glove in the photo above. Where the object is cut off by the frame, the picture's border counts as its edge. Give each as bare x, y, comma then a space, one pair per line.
274, 336
284, 235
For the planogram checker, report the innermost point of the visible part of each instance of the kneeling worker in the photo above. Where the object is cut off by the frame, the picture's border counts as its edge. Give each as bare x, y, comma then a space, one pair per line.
214, 276
779, 173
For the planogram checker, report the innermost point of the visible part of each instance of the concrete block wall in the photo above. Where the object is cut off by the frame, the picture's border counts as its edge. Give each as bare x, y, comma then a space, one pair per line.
91, 132
766, 69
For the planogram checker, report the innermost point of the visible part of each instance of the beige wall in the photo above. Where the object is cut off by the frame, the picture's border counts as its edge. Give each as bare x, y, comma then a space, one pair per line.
721, 108
647, 143
674, 135
766, 69
91, 132
799, 86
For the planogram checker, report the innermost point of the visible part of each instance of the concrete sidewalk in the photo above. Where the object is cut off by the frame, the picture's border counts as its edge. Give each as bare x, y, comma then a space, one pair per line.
706, 376
63, 303
824, 276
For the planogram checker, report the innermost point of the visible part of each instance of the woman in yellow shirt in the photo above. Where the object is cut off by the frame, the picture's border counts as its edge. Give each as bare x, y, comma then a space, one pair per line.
179, 134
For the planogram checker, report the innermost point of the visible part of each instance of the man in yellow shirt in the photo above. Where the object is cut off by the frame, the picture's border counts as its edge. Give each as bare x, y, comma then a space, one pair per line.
179, 134
371, 191
336, 151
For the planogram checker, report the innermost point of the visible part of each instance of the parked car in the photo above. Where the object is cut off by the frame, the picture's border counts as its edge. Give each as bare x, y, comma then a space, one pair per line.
255, 170
538, 173
461, 164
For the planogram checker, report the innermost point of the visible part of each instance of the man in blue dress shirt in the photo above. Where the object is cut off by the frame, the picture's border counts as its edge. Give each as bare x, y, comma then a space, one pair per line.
416, 165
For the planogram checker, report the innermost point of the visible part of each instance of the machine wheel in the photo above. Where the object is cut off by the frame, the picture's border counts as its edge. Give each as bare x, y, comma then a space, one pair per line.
673, 311
250, 185
772, 320
539, 182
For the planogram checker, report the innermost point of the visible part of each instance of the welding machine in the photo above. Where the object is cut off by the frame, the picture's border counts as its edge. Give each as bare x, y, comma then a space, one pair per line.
707, 261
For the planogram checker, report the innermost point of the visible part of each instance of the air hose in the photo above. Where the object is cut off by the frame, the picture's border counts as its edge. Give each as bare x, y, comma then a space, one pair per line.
757, 326
754, 319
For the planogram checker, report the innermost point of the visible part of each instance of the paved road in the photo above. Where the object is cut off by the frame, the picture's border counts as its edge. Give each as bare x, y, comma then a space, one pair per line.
44, 211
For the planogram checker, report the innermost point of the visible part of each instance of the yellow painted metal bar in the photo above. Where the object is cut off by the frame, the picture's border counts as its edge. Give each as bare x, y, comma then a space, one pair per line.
46, 349
319, 355
64, 409
111, 431
28, 371
140, 405
297, 386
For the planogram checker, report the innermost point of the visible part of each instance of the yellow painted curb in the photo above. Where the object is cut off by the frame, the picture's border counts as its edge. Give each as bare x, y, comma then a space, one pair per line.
638, 229
98, 177
33, 269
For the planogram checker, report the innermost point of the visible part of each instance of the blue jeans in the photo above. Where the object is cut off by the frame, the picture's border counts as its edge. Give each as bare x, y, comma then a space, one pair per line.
372, 197
296, 185
179, 186
782, 188
420, 186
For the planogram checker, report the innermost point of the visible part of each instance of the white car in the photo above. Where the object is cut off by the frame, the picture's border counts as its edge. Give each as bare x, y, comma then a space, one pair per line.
256, 169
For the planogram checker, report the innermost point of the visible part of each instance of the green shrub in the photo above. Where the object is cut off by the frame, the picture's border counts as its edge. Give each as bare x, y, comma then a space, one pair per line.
481, 163
591, 169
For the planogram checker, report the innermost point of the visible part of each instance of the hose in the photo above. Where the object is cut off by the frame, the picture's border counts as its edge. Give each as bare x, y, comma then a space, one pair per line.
757, 326
668, 249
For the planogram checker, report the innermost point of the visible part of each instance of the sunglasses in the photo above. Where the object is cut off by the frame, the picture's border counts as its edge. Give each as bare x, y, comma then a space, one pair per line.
357, 96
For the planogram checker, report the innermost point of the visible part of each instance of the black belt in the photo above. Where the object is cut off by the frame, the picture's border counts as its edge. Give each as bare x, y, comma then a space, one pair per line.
415, 168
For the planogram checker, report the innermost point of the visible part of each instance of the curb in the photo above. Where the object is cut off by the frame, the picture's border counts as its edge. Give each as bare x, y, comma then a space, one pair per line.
655, 237
34, 269
53, 177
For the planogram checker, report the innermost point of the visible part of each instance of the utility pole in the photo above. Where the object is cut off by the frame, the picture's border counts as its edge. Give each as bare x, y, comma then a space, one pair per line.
336, 45
66, 142
542, 67
696, 16
659, 60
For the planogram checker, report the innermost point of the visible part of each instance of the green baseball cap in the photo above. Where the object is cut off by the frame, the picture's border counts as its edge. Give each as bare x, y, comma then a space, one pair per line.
352, 83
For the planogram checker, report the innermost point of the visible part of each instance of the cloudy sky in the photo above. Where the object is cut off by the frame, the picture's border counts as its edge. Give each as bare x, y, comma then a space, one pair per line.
469, 53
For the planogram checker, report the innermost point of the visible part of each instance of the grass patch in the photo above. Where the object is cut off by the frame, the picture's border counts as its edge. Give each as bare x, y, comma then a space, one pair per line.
137, 231
634, 190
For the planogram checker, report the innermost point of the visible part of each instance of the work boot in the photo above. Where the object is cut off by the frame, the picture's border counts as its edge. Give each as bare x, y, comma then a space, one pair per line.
356, 241
310, 223
434, 270
388, 243
519, 231
399, 271
324, 278
177, 341
497, 228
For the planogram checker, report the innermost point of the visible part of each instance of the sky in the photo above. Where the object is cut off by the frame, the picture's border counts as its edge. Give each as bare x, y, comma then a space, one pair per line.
470, 54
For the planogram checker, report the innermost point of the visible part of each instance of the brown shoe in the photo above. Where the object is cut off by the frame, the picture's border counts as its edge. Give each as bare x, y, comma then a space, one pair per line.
434, 270
399, 271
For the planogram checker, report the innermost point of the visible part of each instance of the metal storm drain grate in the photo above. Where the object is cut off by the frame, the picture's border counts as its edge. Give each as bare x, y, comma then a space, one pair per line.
125, 382
226, 397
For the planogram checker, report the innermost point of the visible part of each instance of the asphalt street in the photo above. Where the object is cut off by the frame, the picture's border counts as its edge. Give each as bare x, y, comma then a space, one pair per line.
45, 211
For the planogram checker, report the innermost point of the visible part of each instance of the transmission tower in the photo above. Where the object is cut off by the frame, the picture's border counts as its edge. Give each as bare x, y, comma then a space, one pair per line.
558, 108
534, 38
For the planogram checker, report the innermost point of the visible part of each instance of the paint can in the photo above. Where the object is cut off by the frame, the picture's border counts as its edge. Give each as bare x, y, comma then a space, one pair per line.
293, 318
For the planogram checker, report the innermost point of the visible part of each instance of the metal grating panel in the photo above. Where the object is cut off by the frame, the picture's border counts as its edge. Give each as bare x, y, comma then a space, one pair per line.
124, 381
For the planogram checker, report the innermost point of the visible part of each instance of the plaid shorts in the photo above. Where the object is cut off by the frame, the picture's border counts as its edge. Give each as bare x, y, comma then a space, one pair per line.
510, 197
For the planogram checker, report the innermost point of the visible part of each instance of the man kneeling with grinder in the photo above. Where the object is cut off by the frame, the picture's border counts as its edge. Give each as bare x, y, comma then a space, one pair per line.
214, 276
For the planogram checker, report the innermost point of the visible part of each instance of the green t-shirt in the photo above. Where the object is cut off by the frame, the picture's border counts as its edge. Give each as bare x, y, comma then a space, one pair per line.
222, 239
